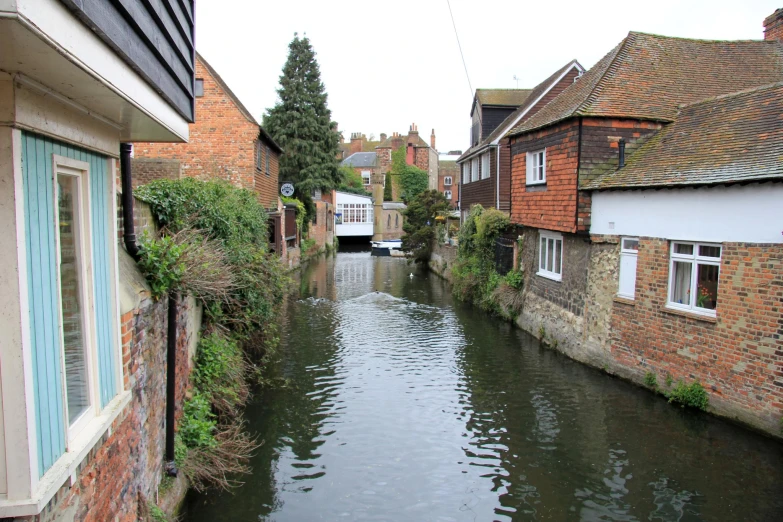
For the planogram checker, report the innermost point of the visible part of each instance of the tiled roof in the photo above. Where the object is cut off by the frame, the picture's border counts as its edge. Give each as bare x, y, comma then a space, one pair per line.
360, 159
502, 97
535, 93
728, 139
648, 76
394, 205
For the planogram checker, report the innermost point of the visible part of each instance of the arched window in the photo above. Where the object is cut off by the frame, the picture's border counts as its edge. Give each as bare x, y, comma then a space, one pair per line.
388, 221
396, 221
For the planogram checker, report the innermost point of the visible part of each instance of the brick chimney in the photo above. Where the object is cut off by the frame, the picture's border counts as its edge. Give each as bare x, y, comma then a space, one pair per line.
414, 129
383, 136
409, 156
432, 139
356, 142
773, 26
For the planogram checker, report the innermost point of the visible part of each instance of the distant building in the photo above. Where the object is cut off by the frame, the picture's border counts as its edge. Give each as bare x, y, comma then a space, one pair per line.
363, 163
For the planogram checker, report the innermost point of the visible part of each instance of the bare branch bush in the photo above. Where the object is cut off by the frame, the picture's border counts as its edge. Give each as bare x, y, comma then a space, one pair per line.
218, 465
508, 298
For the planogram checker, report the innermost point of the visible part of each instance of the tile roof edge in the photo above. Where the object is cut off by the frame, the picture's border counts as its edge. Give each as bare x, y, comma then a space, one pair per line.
720, 97
223, 85
774, 178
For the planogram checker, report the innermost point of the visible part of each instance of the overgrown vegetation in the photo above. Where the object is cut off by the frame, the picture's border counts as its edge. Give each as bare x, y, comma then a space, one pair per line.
351, 181
651, 380
419, 224
475, 277
411, 181
388, 194
213, 246
693, 395
301, 213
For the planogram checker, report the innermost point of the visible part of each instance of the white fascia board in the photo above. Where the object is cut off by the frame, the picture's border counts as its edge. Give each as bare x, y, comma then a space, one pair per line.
51, 21
513, 124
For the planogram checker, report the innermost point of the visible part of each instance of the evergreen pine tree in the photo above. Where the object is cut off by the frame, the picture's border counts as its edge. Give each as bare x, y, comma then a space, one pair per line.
301, 123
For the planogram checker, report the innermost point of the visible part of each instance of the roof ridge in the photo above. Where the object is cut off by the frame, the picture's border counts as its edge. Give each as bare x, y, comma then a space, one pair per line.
750, 90
707, 40
596, 90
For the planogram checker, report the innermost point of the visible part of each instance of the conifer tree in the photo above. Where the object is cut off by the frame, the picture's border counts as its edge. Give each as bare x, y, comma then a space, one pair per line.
301, 123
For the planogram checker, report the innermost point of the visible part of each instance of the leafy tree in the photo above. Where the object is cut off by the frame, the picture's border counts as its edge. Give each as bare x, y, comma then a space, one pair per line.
412, 181
419, 225
387, 189
301, 123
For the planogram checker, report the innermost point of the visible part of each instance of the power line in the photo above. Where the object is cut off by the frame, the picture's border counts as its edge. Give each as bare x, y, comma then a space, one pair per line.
470, 86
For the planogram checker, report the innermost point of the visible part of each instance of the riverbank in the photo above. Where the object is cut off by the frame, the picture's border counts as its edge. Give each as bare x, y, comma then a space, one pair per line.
586, 336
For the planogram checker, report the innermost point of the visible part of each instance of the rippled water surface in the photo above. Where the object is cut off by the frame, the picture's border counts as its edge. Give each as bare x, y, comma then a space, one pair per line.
404, 405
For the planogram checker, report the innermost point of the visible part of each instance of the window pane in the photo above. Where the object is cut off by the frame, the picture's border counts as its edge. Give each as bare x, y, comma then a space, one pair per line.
683, 248
550, 247
542, 255
71, 297
558, 255
630, 244
709, 251
707, 286
627, 275
681, 283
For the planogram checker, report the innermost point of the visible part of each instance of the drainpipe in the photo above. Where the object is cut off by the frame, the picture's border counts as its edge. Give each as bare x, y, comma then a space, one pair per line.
171, 384
621, 147
129, 232
129, 235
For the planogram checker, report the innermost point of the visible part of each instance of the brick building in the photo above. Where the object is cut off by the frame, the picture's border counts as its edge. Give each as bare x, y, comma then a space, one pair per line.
628, 104
417, 153
448, 181
699, 287
486, 165
363, 163
226, 143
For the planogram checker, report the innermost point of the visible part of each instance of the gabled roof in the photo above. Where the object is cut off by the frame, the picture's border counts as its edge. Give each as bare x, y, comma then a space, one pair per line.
648, 76
415, 140
502, 97
360, 159
239, 105
524, 110
727, 139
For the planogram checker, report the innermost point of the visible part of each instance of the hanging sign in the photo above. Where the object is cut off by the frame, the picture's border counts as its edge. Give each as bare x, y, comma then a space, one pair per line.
287, 189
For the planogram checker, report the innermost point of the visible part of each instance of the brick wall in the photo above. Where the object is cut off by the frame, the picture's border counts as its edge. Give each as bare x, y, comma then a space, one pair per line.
322, 230
551, 206
266, 179
391, 224
738, 357
146, 170
222, 140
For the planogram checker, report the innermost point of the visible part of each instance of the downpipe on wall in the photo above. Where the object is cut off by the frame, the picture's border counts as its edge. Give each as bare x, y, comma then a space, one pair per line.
129, 237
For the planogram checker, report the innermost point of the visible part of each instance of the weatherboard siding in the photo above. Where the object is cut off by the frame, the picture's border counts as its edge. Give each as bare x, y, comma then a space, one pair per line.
40, 238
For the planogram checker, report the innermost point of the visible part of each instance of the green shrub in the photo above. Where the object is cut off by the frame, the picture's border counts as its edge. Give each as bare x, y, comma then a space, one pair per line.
515, 279
198, 424
220, 373
301, 212
651, 380
159, 262
419, 224
693, 395
307, 245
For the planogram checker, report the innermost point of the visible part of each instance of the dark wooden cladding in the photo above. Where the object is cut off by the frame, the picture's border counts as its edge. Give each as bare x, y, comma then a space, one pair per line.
154, 37
491, 118
483, 191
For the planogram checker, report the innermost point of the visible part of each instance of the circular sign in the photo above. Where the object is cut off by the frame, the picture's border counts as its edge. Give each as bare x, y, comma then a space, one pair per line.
287, 189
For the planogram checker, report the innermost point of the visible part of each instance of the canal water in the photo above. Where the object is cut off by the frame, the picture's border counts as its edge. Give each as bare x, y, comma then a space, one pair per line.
403, 404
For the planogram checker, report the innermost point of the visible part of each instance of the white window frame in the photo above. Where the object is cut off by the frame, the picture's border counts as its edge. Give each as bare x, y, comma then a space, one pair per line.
447, 193
485, 166
81, 171
465, 172
447, 180
695, 259
544, 236
474, 169
536, 167
366, 179
628, 259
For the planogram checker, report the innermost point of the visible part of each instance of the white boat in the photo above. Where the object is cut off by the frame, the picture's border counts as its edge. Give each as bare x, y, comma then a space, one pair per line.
385, 248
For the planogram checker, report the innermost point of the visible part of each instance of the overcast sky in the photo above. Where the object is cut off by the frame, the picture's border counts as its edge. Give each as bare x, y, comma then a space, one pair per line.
387, 65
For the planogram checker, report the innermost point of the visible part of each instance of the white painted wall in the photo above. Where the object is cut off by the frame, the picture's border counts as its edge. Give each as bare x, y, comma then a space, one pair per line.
353, 229
749, 214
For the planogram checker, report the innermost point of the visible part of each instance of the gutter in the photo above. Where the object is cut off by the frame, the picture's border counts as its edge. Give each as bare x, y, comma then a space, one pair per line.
129, 237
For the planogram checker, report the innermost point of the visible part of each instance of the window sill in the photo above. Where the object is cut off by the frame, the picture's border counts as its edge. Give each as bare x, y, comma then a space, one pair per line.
691, 315
624, 300
66, 466
550, 275
535, 184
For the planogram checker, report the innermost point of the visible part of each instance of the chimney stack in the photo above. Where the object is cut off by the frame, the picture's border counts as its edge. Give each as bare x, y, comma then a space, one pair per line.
414, 129
383, 136
432, 139
356, 142
773, 26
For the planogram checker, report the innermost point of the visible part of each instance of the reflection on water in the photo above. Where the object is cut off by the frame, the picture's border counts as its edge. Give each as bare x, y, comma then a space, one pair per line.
404, 405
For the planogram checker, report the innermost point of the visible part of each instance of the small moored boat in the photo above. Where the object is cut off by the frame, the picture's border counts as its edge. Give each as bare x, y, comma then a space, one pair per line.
385, 248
